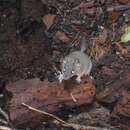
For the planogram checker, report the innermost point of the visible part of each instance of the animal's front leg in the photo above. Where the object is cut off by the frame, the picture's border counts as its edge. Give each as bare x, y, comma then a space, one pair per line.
78, 79
59, 75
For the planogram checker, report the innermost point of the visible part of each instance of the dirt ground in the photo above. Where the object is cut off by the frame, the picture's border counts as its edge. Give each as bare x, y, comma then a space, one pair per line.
36, 34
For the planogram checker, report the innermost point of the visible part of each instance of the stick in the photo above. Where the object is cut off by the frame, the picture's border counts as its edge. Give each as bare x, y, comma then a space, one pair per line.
118, 8
64, 123
46, 113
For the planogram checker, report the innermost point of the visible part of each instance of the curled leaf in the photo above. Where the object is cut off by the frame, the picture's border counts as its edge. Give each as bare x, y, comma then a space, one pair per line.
126, 36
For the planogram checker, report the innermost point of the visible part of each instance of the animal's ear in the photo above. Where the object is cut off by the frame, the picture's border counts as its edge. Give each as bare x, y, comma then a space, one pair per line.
61, 60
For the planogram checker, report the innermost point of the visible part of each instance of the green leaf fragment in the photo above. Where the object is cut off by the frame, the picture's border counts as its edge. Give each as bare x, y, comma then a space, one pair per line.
126, 36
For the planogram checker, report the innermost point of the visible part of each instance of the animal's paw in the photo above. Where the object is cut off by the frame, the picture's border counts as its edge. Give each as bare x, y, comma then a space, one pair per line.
59, 75
78, 79
91, 77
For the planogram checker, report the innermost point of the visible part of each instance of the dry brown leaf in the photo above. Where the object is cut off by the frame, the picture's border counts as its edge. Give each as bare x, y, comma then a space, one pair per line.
113, 16
49, 20
62, 36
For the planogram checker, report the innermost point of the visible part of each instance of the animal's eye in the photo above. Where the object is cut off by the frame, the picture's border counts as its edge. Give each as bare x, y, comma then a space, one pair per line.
64, 70
64, 61
76, 60
72, 72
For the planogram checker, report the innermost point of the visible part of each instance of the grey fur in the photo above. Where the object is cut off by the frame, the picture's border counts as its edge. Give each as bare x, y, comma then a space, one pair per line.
77, 64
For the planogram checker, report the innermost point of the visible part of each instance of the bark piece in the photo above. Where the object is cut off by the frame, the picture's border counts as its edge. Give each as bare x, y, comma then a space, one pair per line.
92, 117
44, 96
123, 106
114, 90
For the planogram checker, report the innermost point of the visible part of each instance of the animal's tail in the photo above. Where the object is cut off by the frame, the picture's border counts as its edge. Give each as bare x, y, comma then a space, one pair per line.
83, 44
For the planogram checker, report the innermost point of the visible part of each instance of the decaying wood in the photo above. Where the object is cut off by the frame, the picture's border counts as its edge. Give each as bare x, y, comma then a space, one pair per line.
44, 96
123, 106
114, 90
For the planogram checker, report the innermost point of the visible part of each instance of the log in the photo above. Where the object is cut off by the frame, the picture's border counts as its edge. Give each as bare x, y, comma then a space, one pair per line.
44, 95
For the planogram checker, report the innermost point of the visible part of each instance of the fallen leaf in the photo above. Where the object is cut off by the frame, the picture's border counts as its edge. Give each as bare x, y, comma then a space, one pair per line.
62, 36
49, 20
126, 36
113, 17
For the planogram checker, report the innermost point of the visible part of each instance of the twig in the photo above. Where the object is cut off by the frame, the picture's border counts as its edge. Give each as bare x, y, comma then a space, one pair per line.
118, 8
64, 123
110, 8
5, 128
3, 121
74, 99
4, 114
1, 95
46, 113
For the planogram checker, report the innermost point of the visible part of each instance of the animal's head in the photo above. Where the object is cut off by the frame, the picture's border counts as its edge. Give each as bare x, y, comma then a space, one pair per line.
69, 68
